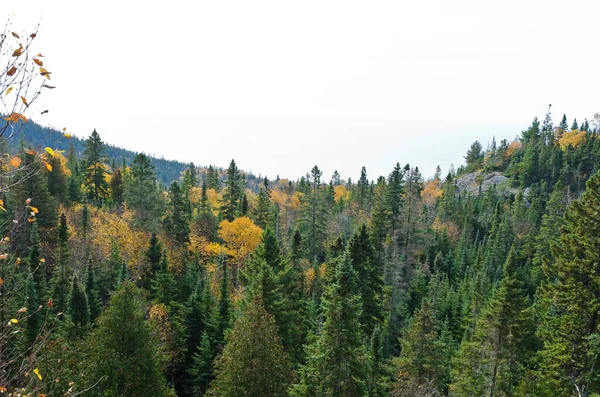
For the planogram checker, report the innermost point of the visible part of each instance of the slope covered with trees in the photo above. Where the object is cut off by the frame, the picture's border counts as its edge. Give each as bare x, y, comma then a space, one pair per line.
225, 285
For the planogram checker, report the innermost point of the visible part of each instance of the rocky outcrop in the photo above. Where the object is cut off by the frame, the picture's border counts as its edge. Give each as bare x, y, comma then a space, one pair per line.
470, 183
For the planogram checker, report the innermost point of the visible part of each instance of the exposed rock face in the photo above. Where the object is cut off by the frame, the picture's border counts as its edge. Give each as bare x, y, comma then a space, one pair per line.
470, 183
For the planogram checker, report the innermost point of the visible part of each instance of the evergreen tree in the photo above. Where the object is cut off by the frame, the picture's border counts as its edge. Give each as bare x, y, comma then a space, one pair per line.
62, 272
314, 216
222, 321
336, 359
575, 126
394, 192
377, 378
153, 258
564, 126
79, 308
474, 156
571, 322
200, 373
124, 359
95, 170
262, 213
491, 360
37, 264
370, 277
34, 318
116, 188
142, 194
232, 195
177, 223
253, 362
91, 292
420, 357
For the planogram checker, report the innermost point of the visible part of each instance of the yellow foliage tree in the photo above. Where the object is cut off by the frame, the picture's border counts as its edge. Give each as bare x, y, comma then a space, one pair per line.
571, 138
241, 237
431, 192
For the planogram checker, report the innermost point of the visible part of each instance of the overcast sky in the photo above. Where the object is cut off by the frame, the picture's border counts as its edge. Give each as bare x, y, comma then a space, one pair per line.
283, 85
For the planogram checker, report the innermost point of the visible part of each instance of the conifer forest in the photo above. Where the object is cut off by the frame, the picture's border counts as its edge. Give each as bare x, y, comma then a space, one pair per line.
482, 280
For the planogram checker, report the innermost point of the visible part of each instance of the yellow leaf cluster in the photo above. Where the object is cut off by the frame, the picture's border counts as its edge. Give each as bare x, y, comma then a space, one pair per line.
341, 193
111, 228
571, 138
512, 148
431, 192
241, 237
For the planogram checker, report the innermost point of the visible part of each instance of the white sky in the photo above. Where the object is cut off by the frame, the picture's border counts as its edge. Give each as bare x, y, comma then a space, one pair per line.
283, 85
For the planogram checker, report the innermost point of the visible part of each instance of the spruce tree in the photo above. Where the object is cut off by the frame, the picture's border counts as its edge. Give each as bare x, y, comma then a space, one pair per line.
490, 359
91, 291
253, 362
95, 170
177, 223
222, 321
116, 188
34, 317
37, 264
153, 259
336, 362
377, 377
142, 194
79, 308
200, 372
571, 322
233, 192
123, 357
62, 273
370, 278
262, 213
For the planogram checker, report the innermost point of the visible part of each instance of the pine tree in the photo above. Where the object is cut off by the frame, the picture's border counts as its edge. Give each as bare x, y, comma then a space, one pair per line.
336, 360
79, 308
232, 195
564, 126
394, 192
95, 170
575, 126
124, 359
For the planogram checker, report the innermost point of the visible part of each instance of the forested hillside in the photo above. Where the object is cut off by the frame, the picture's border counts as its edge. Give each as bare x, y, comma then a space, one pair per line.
480, 281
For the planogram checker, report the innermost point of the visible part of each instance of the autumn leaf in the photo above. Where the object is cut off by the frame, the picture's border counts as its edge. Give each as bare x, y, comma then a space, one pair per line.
45, 73
49, 151
9, 90
18, 51
39, 55
37, 372
15, 35
22, 310
12, 71
30, 152
14, 321
48, 86
1, 281
34, 210
30, 220
33, 35
28, 201
48, 167
38, 62
42, 260
68, 136
24, 101
15, 162
18, 261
